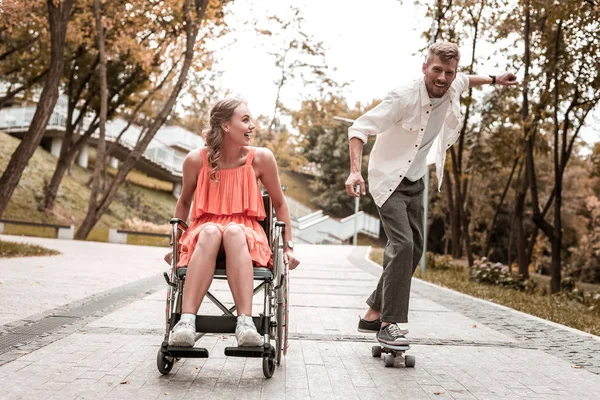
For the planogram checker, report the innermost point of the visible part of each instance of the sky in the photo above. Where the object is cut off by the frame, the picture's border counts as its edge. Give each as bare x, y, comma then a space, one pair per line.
373, 46
367, 47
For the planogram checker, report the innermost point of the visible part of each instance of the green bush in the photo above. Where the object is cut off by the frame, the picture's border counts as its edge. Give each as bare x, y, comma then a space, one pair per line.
441, 262
589, 299
484, 271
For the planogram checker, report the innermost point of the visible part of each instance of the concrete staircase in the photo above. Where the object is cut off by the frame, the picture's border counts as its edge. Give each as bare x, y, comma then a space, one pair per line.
315, 227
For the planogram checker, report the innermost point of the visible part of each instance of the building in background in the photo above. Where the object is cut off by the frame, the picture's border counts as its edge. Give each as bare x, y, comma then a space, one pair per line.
163, 159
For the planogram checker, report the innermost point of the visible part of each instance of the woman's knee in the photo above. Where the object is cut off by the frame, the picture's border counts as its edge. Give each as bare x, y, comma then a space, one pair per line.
233, 233
209, 236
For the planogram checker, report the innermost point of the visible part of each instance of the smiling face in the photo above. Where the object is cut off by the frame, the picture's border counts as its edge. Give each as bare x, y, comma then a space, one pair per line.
439, 75
240, 127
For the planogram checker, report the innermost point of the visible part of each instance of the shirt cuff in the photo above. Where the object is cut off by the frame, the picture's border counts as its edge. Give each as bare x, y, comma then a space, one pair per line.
354, 133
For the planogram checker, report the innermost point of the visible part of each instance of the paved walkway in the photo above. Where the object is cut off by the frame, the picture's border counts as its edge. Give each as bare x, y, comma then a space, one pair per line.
88, 323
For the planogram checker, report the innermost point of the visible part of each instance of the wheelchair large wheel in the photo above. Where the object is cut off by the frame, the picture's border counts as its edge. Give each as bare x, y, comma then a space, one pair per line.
282, 314
281, 305
286, 309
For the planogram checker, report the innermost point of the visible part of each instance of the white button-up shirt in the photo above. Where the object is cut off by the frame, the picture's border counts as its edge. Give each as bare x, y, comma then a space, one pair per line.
399, 122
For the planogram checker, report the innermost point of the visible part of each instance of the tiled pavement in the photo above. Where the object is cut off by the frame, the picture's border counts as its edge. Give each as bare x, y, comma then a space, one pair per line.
105, 345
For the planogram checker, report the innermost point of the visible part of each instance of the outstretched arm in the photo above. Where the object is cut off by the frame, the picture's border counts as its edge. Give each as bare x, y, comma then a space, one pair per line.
505, 79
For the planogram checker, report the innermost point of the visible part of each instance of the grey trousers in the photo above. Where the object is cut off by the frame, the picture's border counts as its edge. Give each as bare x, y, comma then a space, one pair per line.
402, 219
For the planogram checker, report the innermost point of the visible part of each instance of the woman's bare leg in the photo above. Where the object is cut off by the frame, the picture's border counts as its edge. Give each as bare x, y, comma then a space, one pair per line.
201, 268
240, 272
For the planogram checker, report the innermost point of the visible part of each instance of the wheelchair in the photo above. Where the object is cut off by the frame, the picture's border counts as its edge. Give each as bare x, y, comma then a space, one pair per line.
272, 323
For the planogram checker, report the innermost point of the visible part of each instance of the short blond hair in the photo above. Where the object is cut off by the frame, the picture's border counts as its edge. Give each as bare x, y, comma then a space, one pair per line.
446, 51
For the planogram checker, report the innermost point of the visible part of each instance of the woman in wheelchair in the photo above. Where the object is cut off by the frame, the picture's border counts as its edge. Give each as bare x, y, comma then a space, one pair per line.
223, 180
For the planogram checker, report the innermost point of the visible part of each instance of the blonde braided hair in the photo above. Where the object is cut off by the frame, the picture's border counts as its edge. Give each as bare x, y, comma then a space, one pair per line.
220, 113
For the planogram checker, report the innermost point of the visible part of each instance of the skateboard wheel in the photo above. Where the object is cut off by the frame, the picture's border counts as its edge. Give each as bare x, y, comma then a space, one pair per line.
410, 361
376, 351
389, 360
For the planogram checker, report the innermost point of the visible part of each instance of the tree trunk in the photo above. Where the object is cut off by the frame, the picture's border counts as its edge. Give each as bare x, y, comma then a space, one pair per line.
58, 17
454, 220
460, 180
555, 268
64, 162
101, 147
191, 27
519, 234
70, 148
12, 93
51, 191
519, 231
466, 234
490, 229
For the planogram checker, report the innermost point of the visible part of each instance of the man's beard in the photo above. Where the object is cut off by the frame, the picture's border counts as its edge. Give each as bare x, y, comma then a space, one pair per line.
436, 91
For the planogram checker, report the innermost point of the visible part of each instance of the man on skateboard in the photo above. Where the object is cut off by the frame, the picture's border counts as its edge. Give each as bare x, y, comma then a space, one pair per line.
415, 124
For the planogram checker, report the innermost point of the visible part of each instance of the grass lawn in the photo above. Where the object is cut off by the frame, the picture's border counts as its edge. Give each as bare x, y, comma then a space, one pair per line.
13, 249
140, 197
555, 308
297, 187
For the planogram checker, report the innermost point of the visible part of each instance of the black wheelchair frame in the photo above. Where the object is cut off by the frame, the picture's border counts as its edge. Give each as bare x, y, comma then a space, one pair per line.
271, 323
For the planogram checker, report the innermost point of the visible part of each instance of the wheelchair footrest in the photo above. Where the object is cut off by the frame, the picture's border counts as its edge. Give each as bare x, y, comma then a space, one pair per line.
227, 324
186, 352
256, 352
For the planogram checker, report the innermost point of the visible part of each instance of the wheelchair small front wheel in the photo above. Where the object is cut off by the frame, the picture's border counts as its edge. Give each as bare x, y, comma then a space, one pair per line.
164, 363
268, 366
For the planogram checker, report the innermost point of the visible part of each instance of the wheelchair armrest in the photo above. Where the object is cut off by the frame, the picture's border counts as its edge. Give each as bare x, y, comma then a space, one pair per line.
179, 221
280, 224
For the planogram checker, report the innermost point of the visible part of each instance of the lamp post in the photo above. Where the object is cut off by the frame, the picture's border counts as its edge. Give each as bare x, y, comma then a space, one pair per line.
356, 199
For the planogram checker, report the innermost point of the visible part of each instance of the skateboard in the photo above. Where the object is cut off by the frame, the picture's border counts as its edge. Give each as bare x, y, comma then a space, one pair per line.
390, 353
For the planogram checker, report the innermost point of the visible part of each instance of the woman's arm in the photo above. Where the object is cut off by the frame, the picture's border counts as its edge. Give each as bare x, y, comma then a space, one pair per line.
191, 167
267, 173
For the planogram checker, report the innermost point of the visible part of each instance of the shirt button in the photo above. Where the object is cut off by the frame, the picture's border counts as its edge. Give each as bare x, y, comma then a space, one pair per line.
427, 112
416, 145
421, 129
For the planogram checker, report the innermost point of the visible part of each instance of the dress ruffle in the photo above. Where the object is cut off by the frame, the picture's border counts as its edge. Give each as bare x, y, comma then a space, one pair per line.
258, 246
236, 192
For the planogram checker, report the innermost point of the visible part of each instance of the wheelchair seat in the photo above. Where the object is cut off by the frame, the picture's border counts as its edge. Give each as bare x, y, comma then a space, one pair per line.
220, 273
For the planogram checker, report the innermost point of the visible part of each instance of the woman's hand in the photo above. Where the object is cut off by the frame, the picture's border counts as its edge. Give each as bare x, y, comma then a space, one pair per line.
169, 256
289, 259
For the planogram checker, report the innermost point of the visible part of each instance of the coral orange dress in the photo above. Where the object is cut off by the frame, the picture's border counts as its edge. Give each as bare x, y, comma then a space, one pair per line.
235, 199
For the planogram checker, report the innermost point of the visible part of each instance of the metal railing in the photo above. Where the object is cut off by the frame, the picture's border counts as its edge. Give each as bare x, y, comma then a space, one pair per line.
19, 118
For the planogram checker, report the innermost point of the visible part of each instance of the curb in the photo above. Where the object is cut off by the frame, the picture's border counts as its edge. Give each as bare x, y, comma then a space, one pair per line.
500, 306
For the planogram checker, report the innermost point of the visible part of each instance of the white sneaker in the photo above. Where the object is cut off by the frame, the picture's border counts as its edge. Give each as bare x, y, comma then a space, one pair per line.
246, 333
183, 334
